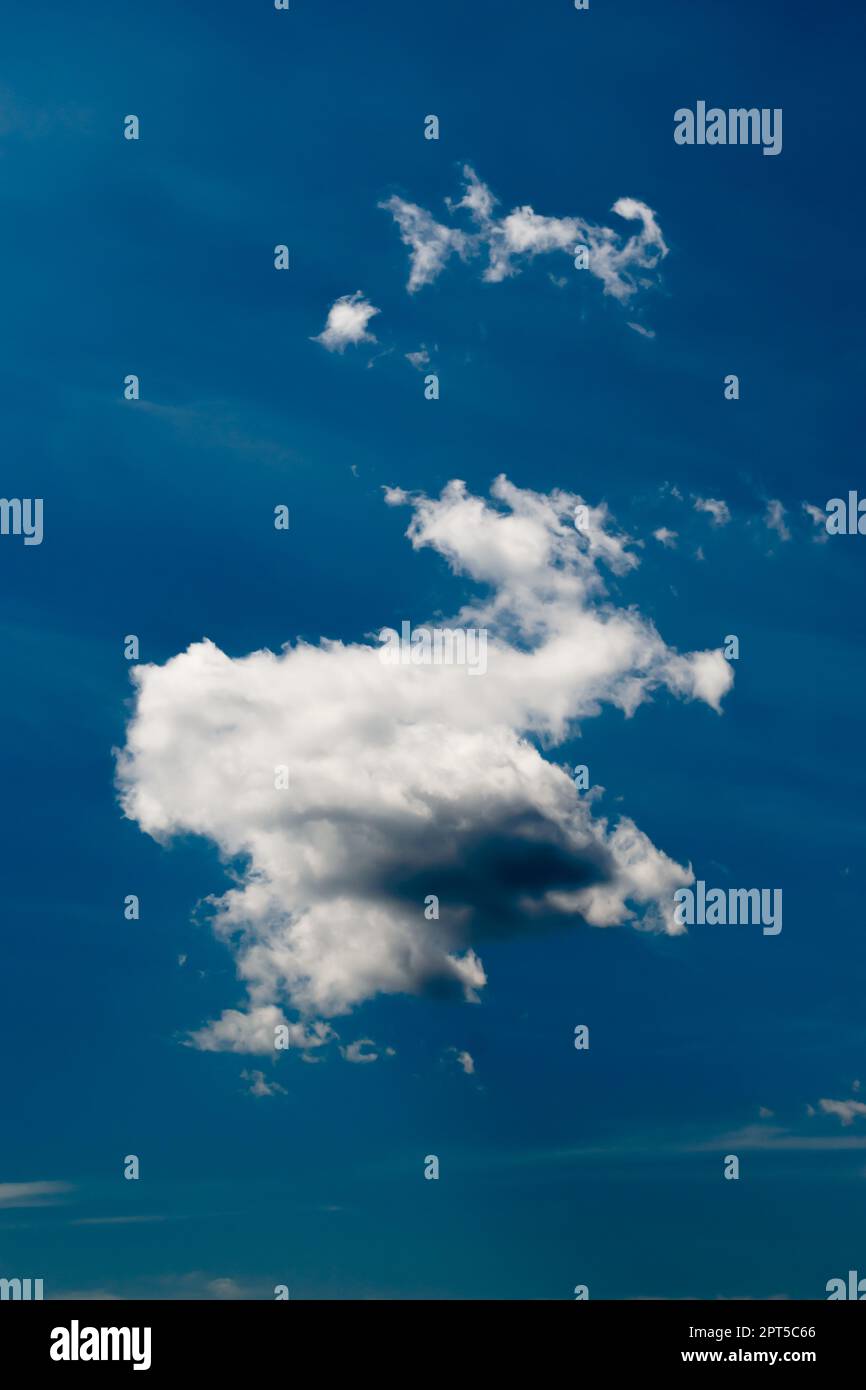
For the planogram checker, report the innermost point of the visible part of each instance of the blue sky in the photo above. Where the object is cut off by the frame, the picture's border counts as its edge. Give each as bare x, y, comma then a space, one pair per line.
155, 257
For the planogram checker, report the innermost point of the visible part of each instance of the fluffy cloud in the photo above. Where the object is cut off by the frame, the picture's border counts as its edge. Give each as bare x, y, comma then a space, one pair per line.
410, 780
510, 241
666, 537
466, 1062
255, 1032
715, 508
845, 1110
347, 323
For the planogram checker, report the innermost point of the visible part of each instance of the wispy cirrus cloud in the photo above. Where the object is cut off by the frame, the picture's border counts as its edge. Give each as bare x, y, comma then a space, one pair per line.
818, 518
195, 1285
430, 243
774, 519
32, 1194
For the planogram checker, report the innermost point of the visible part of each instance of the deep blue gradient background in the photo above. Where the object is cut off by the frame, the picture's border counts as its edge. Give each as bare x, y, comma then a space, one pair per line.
156, 258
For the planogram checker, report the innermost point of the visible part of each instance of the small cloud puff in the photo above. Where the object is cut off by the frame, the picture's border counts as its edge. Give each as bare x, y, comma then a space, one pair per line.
467, 1062
719, 511
364, 1050
258, 1086
666, 538
419, 359
347, 323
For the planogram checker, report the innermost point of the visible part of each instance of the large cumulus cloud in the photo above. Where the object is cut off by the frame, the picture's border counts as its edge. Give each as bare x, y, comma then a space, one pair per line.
412, 780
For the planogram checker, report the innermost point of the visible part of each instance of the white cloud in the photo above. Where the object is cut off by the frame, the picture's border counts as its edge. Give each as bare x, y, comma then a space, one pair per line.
718, 510
477, 198
224, 1288
430, 243
818, 517
404, 781
254, 1032
363, 1050
774, 519
32, 1194
523, 234
666, 538
776, 1138
644, 332
464, 1060
419, 359
846, 1110
347, 323
258, 1086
